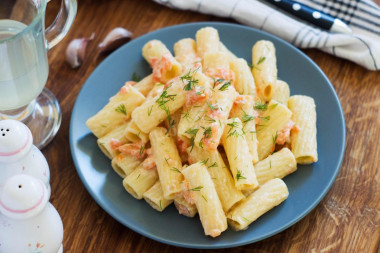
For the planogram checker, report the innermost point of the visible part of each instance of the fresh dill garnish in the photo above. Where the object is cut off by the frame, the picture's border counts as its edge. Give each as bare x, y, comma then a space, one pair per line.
150, 110
196, 189
239, 175
104, 126
261, 60
216, 81
274, 138
138, 176
204, 198
213, 165
207, 133
273, 106
260, 106
191, 81
234, 133
135, 77
166, 160
175, 169
199, 93
233, 125
171, 122
186, 116
121, 108
192, 132
209, 119
142, 149
246, 117
265, 118
164, 98
204, 162
225, 86
160, 205
270, 164
211, 106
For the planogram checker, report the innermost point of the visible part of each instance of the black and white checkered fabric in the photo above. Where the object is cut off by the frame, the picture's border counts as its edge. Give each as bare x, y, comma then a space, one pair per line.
363, 17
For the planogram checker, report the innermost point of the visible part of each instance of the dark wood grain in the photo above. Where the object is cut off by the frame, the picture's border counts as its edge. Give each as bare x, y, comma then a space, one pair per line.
346, 220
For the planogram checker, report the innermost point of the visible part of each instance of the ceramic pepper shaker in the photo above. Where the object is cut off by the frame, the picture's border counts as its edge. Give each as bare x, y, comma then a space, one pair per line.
18, 155
28, 222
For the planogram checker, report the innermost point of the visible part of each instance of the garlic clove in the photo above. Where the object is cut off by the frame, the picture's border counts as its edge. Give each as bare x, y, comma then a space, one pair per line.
115, 39
76, 51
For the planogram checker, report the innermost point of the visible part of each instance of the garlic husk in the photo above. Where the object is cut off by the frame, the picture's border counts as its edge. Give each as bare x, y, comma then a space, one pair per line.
76, 51
114, 39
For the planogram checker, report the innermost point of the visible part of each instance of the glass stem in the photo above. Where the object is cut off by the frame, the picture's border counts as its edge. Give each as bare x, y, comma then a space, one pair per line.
20, 114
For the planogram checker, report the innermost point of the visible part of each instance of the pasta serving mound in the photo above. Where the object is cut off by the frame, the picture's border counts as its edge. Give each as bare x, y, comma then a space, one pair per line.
208, 132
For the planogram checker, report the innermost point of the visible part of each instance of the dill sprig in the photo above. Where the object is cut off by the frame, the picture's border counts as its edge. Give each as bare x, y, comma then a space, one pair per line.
265, 118
175, 169
213, 165
239, 175
225, 86
192, 132
161, 101
212, 107
204, 162
160, 205
204, 198
274, 138
135, 77
121, 108
196, 189
217, 81
142, 149
150, 110
246, 117
207, 133
261, 60
260, 106
209, 119
191, 81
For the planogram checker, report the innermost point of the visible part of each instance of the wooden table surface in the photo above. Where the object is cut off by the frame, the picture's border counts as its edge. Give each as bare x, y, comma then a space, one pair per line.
346, 220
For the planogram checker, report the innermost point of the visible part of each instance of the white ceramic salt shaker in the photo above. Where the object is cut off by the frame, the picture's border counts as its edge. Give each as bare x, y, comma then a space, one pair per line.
28, 222
18, 155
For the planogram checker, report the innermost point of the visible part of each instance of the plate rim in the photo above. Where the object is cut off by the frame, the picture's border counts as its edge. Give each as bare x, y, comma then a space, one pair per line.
143, 232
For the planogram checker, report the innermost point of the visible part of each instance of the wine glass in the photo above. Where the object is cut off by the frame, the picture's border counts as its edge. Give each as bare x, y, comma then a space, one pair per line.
24, 65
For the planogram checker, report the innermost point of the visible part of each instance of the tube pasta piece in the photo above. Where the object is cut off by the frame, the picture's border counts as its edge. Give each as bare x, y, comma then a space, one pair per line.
213, 123
238, 155
154, 111
243, 109
281, 92
276, 117
134, 134
117, 111
215, 60
145, 85
184, 208
269, 195
165, 66
264, 68
139, 181
278, 165
185, 52
304, 141
206, 199
207, 40
224, 49
244, 82
155, 197
228, 194
108, 143
123, 164
168, 162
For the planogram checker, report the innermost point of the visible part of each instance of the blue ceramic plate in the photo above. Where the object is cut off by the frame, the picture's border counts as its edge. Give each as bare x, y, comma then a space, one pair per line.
307, 186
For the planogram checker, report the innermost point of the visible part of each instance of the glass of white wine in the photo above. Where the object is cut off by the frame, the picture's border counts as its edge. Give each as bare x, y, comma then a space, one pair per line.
24, 65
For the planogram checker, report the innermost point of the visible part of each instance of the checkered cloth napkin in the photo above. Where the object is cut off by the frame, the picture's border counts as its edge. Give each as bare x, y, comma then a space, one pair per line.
363, 17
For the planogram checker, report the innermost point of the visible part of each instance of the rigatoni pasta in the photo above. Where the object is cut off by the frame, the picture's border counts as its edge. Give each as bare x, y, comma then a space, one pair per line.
208, 133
